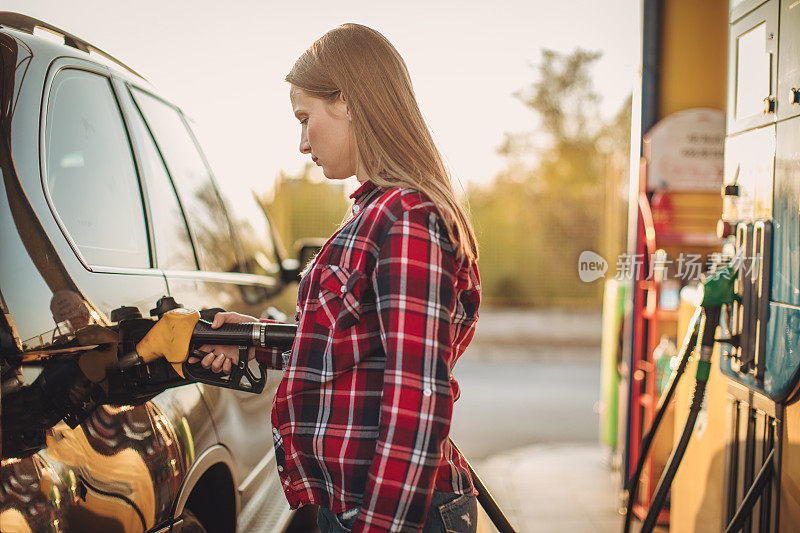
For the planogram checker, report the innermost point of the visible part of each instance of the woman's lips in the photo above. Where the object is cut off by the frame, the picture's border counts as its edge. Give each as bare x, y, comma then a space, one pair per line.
314, 159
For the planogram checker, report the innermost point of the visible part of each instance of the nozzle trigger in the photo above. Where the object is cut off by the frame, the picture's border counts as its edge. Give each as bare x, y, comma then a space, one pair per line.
240, 378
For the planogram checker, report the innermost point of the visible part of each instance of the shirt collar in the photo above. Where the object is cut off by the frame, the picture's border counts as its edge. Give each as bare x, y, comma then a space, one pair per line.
363, 195
362, 190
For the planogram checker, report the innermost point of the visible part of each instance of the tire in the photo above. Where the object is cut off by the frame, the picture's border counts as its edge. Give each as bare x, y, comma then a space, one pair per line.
191, 524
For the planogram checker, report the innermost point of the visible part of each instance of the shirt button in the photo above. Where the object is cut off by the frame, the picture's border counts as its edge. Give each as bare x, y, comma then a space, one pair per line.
280, 468
342, 289
356, 209
427, 392
275, 431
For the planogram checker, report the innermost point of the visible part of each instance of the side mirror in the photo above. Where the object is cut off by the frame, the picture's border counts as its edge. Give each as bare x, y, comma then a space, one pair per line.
306, 250
253, 294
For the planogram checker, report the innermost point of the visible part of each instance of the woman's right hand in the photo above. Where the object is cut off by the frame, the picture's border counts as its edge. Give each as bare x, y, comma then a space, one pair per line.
223, 357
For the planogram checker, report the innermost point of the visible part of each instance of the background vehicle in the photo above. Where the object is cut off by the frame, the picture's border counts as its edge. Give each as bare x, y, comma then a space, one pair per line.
108, 202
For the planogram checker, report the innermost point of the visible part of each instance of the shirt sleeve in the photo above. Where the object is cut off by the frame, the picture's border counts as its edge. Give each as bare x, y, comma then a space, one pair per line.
270, 357
414, 289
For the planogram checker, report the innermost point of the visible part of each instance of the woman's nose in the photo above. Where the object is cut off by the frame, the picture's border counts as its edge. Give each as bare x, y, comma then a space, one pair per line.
305, 146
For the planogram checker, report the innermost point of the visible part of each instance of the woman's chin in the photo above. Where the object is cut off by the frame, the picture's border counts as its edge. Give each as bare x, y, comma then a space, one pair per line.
333, 175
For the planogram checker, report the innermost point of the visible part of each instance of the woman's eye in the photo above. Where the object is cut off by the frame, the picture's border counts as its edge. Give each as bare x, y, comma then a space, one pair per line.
304, 121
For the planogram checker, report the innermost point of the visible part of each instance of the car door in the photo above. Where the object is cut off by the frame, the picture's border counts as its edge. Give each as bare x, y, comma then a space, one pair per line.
83, 247
184, 194
93, 212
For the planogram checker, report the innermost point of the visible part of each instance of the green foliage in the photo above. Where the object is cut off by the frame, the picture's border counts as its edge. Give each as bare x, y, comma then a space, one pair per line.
564, 97
534, 220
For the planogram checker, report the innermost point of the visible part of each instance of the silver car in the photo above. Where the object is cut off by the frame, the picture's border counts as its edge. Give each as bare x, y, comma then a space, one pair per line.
108, 205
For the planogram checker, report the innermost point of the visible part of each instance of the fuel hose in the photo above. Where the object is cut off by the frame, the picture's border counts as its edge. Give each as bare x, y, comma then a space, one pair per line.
710, 322
717, 291
684, 354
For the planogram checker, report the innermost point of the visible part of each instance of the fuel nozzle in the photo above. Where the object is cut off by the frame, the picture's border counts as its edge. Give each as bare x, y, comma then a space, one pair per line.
717, 288
168, 338
175, 335
716, 292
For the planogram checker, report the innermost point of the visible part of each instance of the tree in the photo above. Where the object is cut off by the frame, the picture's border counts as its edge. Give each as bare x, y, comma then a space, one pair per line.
536, 218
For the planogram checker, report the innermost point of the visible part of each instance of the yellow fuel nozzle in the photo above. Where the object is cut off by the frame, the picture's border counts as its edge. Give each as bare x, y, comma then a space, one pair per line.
169, 338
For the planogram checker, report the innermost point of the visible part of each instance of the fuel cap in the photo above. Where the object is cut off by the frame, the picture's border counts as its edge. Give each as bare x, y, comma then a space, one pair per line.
164, 304
125, 313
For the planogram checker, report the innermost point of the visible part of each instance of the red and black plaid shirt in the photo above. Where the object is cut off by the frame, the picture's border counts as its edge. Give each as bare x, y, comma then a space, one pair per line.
362, 415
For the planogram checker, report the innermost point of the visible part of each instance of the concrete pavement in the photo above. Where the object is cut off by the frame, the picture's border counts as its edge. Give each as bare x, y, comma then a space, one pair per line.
554, 488
511, 404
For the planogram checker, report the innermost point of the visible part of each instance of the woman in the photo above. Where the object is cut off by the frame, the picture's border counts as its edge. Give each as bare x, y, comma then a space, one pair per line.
362, 415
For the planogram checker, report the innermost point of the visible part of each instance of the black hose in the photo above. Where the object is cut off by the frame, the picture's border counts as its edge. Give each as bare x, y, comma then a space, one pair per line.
710, 322
488, 503
674, 462
684, 354
259, 334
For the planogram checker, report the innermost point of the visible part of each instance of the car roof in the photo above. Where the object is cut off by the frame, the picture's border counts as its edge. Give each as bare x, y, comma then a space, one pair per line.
73, 46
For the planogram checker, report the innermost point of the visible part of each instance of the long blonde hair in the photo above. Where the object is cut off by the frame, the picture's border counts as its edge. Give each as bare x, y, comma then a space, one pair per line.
393, 144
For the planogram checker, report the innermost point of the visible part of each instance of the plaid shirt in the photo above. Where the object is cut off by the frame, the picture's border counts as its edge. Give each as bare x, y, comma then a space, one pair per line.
362, 415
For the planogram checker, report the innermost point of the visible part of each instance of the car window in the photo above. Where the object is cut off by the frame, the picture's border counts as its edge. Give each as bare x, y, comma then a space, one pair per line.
90, 173
174, 250
253, 231
201, 202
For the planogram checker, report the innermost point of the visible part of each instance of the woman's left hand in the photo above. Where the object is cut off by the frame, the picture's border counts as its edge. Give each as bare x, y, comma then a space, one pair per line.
222, 357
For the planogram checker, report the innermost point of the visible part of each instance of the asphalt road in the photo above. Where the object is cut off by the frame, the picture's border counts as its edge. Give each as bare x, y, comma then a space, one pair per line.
510, 402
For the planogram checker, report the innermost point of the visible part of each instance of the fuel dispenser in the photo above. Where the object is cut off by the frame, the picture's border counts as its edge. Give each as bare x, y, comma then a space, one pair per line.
760, 221
678, 207
758, 340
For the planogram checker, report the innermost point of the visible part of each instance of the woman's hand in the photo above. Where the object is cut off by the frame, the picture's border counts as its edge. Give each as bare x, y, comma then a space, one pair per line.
221, 357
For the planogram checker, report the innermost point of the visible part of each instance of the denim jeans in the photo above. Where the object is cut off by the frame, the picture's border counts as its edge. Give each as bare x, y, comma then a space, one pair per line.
448, 513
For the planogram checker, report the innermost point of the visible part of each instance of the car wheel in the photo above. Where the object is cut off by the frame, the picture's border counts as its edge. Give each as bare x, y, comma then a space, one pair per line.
191, 524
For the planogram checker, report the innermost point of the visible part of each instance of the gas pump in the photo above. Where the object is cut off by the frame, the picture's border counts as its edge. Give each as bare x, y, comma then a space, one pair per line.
760, 220
716, 294
759, 331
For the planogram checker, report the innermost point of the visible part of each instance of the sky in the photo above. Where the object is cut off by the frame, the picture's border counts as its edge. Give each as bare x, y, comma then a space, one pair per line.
224, 64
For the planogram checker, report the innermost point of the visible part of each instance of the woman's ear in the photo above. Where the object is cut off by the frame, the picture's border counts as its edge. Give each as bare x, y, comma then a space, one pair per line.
342, 102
